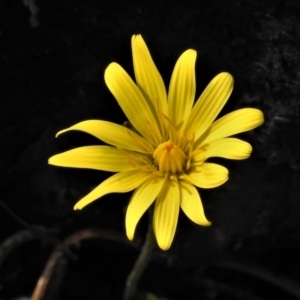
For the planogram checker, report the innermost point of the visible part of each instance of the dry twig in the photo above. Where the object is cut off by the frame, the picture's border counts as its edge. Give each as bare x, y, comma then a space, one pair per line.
43, 282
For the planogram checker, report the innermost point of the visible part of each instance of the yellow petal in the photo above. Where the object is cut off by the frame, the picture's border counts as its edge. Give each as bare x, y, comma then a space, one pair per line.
191, 204
132, 102
140, 201
235, 122
113, 134
119, 183
209, 104
231, 148
104, 158
207, 176
182, 88
166, 214
147, 76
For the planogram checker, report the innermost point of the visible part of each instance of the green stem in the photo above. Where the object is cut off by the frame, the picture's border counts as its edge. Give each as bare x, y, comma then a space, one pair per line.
141, 263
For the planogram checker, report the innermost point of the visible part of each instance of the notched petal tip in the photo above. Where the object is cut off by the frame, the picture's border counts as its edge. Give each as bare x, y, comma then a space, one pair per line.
137, 41
136, 37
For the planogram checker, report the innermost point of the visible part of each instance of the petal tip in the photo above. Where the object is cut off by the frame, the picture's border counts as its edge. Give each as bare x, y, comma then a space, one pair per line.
60, 132
78, 206
226, 76
191, 52
138, 36
109, 71
262, 118
130, 235
163, 243
130, 230
55, 160
50, 161
208, 224
249, 151
164, 247
204, 223
110, 67
137, 39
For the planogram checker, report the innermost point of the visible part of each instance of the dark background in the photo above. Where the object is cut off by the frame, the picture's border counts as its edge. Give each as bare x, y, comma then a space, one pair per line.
52, 67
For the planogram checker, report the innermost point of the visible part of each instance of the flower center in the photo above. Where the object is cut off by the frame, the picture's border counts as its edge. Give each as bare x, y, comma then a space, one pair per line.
169, 158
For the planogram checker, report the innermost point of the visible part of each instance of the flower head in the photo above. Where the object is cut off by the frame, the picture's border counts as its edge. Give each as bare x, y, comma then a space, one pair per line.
163, 154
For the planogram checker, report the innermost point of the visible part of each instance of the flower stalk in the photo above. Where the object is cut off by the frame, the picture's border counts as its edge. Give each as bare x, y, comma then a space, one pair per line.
141, 262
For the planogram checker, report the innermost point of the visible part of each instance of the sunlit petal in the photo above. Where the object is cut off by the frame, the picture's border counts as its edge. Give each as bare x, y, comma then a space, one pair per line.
182, 88
233, 123
209, 104
104, 158
207, 176
147, 76
191, 204
140, 201
230, 148
132, 102
119, 183
113, 134
166, 214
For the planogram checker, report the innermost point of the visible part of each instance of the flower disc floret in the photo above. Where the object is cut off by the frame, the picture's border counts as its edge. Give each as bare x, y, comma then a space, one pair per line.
169, 158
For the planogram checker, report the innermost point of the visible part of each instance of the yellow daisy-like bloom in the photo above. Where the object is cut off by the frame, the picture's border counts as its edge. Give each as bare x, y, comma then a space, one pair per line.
162, 153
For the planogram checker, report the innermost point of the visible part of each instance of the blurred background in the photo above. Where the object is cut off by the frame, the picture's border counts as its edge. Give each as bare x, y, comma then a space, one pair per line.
53, 57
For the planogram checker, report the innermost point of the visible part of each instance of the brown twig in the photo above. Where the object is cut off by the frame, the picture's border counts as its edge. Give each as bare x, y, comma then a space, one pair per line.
23, 236
32, 232
43, 282
14, 241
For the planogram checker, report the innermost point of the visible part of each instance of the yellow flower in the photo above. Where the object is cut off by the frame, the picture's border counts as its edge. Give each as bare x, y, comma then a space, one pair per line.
162, 152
